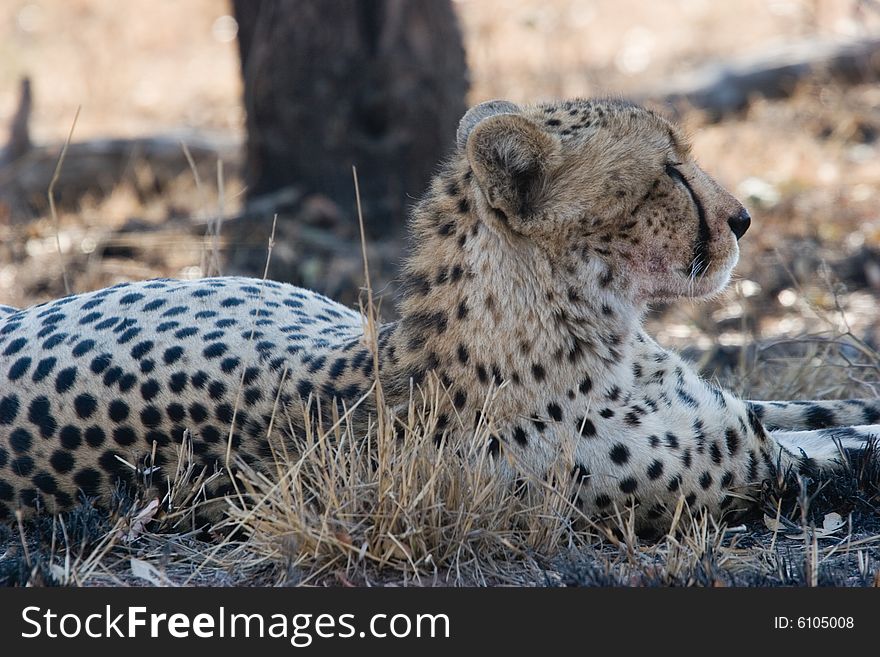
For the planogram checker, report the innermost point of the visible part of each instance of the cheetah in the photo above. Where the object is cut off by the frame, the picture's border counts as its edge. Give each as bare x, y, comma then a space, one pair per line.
535, 254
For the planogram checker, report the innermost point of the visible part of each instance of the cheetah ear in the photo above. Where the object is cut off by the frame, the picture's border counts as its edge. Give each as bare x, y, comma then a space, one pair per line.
479, 112
511, 158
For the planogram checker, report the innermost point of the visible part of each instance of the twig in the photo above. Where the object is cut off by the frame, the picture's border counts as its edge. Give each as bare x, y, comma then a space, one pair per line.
51, 194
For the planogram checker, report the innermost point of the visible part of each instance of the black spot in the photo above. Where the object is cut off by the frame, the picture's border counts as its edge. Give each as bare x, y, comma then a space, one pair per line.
304, 388
83, 347
22, 466
671, 440
127, 382
151, 417
817, 417
177, 382
602, 501
538, 372
753, 467
655, 470
585, 427
39, 413
253, 395
606, 413
674, 484
715, 451
20, 440
112, 375
870, 415
214, 350
519, 435
197, 413
628, 485
100, 363
45, 482
130, 298
172, 355
117, 411
141, 349
65, 379
19, 368
586, 385
338, 367
216, 389
89, 481
128, 335
227, 365
460, 398
187, 332
70, 436
8, 409
317, 364
632, 419
43, 369
149, 389
705, 480
15, 346
224, 413
619, 454
732, 438
61, 461
124, 436
554, 411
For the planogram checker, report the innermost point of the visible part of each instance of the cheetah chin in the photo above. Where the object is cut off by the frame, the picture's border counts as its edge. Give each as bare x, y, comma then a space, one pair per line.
535, 253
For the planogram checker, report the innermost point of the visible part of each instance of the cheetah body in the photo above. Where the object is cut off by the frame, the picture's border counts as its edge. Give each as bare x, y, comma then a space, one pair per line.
90, 382
535, 253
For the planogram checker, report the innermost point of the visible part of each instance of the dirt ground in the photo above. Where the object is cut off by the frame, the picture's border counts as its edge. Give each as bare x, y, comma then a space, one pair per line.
800, 320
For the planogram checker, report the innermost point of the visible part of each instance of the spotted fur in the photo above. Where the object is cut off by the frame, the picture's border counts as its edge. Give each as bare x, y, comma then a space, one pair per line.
536, 251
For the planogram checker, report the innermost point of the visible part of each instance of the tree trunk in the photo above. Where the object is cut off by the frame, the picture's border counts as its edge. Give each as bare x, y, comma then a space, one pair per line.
379, 84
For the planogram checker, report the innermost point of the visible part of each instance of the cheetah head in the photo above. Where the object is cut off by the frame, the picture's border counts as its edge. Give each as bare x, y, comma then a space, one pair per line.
607, 188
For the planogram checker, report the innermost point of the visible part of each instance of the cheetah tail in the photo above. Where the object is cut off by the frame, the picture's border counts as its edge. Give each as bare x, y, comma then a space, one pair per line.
826, 448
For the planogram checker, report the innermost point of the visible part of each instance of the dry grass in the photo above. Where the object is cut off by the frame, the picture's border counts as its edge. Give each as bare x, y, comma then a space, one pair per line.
394, 502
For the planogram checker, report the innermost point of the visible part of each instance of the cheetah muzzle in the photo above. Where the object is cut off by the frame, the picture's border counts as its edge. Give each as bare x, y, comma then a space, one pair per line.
535, 253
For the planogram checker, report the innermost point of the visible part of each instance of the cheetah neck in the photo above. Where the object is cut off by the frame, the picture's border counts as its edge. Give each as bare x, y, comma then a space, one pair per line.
483, 308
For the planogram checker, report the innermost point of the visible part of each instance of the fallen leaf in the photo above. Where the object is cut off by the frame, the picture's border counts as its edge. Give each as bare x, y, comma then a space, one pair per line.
140, 521
149, 573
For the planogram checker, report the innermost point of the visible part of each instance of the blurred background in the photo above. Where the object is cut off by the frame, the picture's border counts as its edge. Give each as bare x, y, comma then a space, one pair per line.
200, 121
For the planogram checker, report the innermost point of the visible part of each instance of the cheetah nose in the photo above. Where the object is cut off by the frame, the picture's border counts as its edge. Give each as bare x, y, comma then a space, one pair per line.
740, 223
